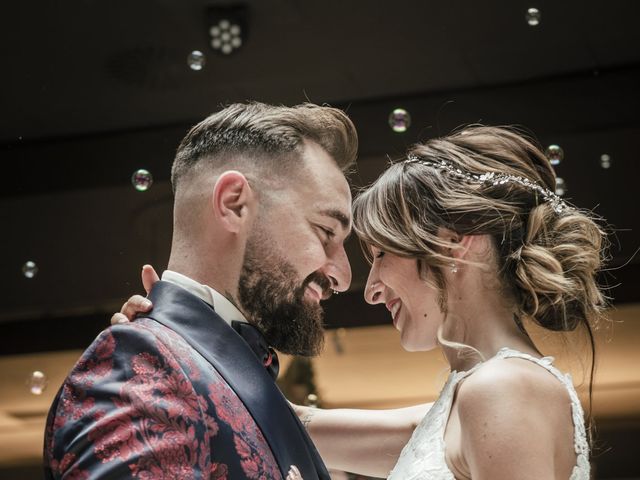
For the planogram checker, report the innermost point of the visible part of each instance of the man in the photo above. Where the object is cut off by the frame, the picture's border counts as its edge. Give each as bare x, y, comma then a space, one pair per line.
262, 209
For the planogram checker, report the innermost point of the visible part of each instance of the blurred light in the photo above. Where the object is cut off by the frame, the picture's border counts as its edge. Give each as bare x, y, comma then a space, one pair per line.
227, 28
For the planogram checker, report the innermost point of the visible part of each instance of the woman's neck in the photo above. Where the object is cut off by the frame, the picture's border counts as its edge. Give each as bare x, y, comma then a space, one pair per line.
486, 328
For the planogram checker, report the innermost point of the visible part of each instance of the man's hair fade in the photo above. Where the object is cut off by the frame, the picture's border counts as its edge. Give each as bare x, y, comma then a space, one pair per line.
266, 133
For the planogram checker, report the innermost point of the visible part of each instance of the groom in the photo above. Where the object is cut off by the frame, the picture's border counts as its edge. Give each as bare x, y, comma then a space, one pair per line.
261, 211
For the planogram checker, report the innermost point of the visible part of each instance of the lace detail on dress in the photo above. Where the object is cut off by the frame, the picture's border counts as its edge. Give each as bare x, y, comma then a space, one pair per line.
581, 471
423, 457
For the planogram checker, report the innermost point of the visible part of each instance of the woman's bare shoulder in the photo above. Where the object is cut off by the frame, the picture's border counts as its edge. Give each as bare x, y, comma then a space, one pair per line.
517, 383
511, 410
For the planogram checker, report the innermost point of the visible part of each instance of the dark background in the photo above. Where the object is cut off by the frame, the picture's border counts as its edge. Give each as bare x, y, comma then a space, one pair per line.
91, 91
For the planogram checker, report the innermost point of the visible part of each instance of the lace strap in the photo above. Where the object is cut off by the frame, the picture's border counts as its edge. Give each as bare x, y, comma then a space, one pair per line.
580, 436
544, 362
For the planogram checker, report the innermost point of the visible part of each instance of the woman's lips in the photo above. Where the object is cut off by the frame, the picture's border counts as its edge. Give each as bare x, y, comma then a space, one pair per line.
394, 307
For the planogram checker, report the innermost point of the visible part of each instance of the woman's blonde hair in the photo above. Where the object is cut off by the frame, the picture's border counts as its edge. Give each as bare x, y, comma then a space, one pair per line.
546, 259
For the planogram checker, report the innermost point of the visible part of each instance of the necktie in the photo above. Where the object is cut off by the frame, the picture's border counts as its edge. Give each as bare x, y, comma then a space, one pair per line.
267, 355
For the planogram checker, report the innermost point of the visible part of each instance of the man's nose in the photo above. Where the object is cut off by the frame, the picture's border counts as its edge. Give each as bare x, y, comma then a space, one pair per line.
339, 270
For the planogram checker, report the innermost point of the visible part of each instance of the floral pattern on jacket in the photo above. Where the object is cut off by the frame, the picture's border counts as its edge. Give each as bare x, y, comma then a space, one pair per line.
141, 403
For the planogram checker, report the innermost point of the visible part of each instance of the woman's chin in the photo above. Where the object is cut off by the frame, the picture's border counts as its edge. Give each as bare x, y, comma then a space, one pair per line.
417, 345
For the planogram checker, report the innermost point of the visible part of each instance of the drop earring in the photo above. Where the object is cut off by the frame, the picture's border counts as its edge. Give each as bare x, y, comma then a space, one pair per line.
454, 267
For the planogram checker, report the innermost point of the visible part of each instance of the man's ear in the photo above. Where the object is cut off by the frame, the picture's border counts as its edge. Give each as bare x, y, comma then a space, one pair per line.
232, 199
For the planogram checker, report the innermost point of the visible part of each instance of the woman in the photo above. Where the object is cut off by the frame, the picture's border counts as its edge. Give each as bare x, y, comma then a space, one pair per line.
467, 243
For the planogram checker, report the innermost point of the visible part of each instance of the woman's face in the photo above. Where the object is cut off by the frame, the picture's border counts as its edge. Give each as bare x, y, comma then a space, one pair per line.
395, 282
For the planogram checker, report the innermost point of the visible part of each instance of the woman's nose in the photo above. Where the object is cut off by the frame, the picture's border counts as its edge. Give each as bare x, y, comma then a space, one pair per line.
373, 292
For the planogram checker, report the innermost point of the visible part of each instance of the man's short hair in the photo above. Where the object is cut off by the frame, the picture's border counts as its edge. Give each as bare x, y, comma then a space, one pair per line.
272, 135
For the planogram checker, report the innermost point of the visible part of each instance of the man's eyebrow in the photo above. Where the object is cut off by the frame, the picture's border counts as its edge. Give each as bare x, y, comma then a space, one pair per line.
338, 215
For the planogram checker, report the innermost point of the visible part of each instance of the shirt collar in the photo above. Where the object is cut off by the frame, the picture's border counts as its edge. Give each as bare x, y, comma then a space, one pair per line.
220, 304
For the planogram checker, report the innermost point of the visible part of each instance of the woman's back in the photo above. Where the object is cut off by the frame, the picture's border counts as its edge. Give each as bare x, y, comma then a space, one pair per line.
495, 409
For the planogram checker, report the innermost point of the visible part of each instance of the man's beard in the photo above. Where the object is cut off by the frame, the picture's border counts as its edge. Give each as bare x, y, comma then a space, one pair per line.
275, 303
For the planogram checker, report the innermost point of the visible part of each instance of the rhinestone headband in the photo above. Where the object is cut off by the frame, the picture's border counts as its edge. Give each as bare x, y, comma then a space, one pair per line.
493, 178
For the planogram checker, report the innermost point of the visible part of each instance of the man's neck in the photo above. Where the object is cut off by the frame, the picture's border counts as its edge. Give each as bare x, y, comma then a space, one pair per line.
224, 306
217, 268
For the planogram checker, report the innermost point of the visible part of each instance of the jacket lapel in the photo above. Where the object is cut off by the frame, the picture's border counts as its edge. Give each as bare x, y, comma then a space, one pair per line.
220, 345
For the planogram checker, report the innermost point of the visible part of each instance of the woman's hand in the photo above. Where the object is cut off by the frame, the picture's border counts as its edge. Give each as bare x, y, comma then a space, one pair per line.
137, 304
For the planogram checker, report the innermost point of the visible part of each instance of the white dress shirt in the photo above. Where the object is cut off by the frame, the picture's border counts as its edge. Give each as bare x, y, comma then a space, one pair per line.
219, 302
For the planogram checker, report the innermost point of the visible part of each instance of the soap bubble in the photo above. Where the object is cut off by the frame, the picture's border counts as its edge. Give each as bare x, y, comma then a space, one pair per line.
37, 382
399, 120
142, 180
196, 60
29, 269
555, 154
533, 17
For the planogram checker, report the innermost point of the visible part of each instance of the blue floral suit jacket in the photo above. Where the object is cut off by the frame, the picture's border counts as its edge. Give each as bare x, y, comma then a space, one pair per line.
177, 395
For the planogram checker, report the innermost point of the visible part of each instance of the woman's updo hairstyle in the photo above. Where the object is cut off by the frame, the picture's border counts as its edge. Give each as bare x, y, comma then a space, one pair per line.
547, 258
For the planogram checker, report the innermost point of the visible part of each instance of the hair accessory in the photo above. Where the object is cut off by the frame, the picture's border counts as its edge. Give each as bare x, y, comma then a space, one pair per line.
493, 178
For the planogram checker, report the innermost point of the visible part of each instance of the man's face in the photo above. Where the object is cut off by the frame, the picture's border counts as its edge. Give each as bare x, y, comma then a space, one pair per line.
295, 256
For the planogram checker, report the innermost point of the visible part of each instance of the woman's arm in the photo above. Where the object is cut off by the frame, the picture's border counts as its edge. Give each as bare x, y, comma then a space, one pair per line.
367, 442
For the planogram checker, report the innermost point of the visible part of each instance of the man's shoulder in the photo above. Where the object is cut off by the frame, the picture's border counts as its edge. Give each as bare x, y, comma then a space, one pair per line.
135, 351
136, 336
142, 380
133, 336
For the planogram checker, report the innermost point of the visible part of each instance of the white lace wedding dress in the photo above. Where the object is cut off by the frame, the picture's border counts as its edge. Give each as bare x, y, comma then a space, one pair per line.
423, 458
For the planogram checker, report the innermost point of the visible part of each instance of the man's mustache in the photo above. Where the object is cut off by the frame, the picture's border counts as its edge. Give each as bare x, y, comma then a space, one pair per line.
321, 280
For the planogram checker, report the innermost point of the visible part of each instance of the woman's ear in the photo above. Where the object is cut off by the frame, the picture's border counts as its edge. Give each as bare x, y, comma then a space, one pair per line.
461, 243
232, 200
464, 244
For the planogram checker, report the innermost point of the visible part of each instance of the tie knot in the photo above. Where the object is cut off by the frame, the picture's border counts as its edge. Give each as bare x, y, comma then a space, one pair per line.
256, 341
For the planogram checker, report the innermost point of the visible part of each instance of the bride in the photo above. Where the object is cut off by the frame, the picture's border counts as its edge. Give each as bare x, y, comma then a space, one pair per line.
467, 243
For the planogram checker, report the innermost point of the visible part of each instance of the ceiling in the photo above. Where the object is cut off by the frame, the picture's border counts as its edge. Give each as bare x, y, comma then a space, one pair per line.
85, 67
91, 91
